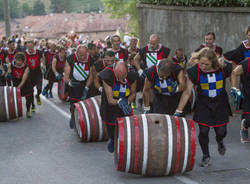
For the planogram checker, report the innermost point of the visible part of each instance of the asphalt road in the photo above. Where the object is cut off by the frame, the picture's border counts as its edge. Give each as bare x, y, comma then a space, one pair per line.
43, 150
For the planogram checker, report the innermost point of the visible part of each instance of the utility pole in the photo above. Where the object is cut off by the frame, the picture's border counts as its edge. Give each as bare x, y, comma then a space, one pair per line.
7, 17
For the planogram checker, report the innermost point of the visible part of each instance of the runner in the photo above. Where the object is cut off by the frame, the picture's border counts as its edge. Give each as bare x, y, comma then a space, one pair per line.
49, 55
109, 59
212, 107
242, 52
78, 75
3, 66
151, 54
167, 81
121, 54
119, 91
243, 70
19, 71
180, 58
210, 43
56, 70
34, 58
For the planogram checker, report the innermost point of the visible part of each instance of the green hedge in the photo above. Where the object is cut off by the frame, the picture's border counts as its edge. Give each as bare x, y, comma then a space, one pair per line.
204, 3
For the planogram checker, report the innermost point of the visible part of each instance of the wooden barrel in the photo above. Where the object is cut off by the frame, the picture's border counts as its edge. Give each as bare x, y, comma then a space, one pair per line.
10, 103
87, 120
61, 90
154, 145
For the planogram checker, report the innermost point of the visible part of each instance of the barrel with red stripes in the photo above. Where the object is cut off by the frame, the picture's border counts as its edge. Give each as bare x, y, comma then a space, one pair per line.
10, 103
62, 91
88, 122
154, 145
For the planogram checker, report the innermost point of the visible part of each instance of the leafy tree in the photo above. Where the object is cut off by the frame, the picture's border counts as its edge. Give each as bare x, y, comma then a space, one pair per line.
39, 8
14, 9
26, 10
123, 8
204, 3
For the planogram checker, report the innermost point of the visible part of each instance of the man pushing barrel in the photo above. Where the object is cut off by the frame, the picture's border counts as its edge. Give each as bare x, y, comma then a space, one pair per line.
119, 91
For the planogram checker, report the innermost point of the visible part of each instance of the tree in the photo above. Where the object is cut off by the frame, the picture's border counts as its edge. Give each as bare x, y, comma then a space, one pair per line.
58, 6
38, 8
123, 8
26, 10
14, 9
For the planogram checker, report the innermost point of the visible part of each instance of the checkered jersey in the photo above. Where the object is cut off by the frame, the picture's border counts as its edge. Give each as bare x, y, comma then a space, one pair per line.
164, 86
211, 84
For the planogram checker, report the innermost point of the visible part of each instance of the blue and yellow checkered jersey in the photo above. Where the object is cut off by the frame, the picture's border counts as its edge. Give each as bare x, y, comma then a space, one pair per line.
121, 90
211, 84
164, 86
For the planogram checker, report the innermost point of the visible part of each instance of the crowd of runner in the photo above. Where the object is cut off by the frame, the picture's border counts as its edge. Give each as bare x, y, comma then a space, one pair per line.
119, 71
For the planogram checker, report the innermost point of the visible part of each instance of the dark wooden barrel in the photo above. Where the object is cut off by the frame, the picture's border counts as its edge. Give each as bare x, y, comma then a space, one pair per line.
10, 103
61, 90
154, 145
87, 120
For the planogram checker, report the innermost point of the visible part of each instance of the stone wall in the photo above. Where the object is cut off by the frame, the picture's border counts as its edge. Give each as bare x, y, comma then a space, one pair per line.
186, 26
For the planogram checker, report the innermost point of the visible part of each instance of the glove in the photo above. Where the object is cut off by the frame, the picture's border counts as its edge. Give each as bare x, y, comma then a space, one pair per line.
237, 94
142, 73
58, 76
179, 113
124, 106
174, 86
43, 68
9, 76
146, 110
100, 89
85, 92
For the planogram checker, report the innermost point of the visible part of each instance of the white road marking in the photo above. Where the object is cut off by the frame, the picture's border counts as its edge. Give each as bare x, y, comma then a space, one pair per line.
58, 109
185, 180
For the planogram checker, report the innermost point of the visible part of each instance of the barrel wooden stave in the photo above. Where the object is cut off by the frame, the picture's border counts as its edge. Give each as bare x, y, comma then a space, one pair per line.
10, 103
61, 90
150, 152
89, 123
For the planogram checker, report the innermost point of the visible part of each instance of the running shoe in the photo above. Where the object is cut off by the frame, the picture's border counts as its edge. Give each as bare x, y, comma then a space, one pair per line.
221, 148
33, 109
28, 114
205, 161
110, 146
51, 94
38, 100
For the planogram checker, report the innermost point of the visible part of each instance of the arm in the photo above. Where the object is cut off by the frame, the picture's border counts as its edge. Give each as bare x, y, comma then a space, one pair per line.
109, 94
43, 60
54, 65
133, 92
25, 77
96, 79
91, 76
137, 61
236, 72
181, 80
146, 92
185, 95
9, 69
67, 69
2, 69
